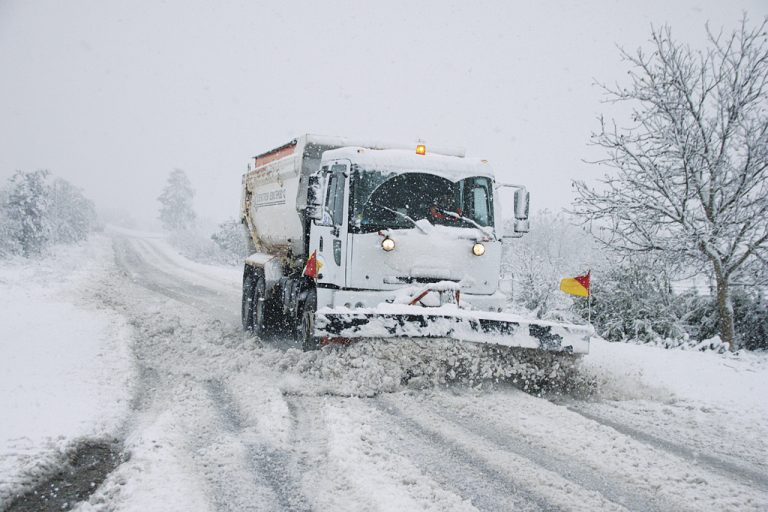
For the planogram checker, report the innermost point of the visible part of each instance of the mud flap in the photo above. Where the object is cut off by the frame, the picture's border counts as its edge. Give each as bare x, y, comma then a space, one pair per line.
491, 328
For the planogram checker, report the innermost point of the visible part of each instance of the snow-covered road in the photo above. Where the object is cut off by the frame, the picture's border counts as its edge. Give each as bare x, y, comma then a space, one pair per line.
221, 421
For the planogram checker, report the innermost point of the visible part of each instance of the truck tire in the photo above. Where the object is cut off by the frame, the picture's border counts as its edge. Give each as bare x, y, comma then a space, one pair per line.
258, 314
306, 325
259, 306
247, 304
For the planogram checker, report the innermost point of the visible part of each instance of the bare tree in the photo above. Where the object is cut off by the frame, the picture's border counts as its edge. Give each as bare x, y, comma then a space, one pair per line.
690, 177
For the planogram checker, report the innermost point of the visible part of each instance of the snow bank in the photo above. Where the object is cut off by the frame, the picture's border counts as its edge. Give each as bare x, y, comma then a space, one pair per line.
643, 371
66, 368
720, 398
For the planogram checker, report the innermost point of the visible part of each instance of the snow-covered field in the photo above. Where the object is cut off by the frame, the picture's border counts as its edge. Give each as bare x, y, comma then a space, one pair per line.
124, 337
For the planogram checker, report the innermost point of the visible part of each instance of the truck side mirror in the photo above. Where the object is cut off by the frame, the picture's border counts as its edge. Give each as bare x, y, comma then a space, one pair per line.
314, 198
517, 227
522, 204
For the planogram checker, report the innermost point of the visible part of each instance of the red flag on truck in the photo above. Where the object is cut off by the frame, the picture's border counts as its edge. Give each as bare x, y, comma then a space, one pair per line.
310, 269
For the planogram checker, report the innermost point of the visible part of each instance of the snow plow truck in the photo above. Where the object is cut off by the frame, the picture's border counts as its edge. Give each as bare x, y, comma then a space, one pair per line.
353, 239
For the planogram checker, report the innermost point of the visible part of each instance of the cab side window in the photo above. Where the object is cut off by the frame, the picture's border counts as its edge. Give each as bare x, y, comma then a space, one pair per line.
477, 201
333, 210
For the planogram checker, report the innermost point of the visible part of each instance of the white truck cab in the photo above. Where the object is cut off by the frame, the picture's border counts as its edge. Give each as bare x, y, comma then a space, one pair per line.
390, 218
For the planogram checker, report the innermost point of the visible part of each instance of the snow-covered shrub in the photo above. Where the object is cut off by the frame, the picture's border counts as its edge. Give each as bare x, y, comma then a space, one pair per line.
36, 212
226, 245
701, 319
198, 246
554, 248
750, 313
750, 310
72, 215
231, 239
25, 210
9, 244
634, 300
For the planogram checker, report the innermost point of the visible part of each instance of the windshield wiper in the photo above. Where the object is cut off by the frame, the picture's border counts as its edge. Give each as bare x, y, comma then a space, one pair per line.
416, 224
483, 229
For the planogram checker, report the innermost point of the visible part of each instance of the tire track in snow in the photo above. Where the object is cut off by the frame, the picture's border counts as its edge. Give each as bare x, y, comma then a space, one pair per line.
129, 260
172, 387
334, 488
185, 272
274, 466
563, 465
139, 271
450, 464
731, 470
541, 480
222, 458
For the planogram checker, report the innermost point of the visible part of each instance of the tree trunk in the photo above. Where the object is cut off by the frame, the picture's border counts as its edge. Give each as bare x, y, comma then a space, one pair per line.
725, 309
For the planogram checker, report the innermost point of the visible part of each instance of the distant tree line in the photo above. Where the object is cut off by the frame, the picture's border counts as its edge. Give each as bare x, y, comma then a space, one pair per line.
38, 210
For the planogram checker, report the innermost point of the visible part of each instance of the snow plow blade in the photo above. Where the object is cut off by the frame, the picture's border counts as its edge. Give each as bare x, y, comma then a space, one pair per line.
473, 326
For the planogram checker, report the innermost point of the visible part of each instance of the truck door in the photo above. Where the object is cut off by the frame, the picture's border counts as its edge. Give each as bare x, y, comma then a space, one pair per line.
329, 235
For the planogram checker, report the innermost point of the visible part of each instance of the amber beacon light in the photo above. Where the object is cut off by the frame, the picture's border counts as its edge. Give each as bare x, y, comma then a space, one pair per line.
421, 149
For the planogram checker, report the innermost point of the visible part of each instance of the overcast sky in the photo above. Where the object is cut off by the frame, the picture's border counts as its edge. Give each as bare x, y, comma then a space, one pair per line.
113, 95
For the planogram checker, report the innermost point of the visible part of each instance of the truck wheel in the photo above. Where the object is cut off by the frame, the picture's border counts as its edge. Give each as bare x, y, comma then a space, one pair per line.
247, 304
258, 305
307, 323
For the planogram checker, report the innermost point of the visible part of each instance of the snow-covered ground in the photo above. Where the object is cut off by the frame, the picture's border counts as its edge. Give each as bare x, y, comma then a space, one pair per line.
221, 421
66, 366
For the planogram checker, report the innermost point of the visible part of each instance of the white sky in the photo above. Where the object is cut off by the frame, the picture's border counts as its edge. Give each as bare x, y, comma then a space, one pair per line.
113, 95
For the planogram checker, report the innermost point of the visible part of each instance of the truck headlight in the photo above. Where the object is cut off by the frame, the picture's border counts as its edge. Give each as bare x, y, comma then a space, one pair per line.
478, 249
387, 244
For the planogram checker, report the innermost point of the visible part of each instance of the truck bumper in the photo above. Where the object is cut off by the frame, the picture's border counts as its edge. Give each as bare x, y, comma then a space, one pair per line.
504, 329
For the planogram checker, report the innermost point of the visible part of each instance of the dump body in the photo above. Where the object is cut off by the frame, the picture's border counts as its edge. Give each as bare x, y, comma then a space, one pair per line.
274, 197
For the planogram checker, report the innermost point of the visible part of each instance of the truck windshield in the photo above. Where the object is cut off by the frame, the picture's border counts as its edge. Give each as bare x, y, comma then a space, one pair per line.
382, 200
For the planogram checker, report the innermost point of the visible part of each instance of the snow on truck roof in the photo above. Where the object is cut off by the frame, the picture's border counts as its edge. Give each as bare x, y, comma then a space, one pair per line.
343, 142
402, 160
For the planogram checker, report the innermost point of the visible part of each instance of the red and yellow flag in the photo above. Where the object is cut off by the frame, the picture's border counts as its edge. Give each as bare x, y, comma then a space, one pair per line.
313, 266
578, 285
